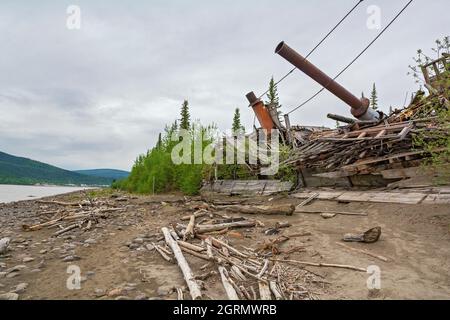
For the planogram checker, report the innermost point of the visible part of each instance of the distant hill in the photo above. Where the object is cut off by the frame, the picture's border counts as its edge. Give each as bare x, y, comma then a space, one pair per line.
18, 170
112, 174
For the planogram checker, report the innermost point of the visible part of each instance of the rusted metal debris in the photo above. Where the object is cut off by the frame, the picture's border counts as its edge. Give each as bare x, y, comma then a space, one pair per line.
360, 106
369, 147
369, 144
261, 112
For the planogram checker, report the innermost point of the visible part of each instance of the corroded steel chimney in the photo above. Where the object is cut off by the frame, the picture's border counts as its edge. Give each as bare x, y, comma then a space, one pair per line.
359, 107
261, 112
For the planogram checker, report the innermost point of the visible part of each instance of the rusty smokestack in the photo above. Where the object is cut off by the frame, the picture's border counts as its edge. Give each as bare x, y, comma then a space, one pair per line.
359, 107
261, 111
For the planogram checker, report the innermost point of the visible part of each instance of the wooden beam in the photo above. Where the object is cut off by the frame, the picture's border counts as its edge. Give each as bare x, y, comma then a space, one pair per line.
194, 288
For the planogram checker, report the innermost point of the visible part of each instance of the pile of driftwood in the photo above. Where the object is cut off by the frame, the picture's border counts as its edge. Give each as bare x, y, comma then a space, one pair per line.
67, 216
246, 273
364, 148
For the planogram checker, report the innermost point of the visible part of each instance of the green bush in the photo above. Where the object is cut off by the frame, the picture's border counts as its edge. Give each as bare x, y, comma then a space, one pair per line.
156, 172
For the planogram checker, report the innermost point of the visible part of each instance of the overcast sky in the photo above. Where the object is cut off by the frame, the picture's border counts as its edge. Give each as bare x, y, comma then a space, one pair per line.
98, 96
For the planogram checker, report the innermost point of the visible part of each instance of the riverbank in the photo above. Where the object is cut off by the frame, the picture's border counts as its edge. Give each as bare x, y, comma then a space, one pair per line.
117, 259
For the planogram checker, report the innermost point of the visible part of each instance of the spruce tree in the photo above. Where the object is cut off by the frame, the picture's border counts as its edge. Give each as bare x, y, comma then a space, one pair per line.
185, 122
159, 143
272, 95
374, 98
237, 126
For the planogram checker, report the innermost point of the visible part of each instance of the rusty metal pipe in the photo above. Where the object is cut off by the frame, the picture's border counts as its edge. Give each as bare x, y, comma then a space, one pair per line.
261, 111
359, 107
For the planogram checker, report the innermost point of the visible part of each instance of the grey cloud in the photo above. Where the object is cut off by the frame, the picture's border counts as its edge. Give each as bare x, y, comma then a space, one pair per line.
98, 97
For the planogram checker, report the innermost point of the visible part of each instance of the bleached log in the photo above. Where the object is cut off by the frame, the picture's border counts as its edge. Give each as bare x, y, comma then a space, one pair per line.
275, 290
313, 264
236, 262
264, 291
230, 248
68, 204
190, 246
196, 254
41, 225
196, 214
162, 253
238, 274
180, 295
245, 293
194, 288
164, 249
236, 288
215, 227
189, 233
264, 268
60, 232
209, 248
174, 234
229, 289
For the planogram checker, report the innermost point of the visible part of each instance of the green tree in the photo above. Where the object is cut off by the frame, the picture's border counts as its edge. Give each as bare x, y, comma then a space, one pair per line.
237, 127
374, 98
272, 95
159, 143
185, 116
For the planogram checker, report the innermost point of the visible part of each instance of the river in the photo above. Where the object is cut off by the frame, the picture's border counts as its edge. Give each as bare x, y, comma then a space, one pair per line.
10, 193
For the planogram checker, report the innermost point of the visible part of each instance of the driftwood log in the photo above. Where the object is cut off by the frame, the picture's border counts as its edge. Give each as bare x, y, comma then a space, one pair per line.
264, 291
190, 246
221, 226
197, 214
363, 252
196, 254
162, 253
229, 288
370, 236
313, 264
298, 210
287, 209
67, 229
275, 290
194, 288
189, 233
60, 203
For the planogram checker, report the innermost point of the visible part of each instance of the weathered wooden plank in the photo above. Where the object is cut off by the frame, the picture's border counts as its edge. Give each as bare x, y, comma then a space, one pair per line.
256, 187
383, 197
437, 199
366, 196
323, 195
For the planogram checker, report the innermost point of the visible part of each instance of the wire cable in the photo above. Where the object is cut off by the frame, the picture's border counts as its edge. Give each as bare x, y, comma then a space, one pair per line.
354, 60
317, 45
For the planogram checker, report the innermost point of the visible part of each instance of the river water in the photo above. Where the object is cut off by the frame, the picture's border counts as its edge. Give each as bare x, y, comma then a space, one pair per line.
10, 193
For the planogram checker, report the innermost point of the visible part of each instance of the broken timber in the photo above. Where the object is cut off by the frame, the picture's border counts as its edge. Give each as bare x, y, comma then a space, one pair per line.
269, 210
194, 288
367, 196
